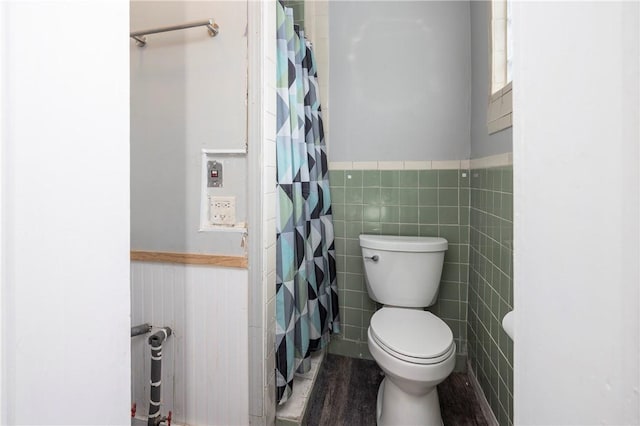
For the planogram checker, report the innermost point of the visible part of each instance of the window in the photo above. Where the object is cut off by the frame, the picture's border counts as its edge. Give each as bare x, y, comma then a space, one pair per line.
499, 114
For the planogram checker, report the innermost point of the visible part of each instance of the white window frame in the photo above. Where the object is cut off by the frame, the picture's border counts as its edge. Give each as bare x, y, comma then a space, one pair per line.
500, 108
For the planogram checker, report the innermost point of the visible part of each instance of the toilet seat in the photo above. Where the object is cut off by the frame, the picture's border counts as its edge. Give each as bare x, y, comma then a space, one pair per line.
412, 335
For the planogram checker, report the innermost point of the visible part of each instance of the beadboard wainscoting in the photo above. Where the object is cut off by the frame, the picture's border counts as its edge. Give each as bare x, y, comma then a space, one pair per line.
204, 366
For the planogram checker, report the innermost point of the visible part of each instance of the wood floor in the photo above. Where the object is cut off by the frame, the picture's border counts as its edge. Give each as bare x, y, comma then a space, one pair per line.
347, 388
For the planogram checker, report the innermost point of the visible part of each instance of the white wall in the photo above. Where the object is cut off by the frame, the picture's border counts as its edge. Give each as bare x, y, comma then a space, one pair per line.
3, 143
188, 92
204, 367
400, 80
65, 205
577, 235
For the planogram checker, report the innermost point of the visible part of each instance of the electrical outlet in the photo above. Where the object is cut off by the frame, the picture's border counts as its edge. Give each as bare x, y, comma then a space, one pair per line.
222, 210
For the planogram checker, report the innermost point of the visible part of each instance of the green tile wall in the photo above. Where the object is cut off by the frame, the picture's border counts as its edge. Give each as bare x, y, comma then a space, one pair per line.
405, 202
491, 286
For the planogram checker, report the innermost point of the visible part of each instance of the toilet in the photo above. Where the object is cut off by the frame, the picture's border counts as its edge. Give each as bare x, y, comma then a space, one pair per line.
413, 347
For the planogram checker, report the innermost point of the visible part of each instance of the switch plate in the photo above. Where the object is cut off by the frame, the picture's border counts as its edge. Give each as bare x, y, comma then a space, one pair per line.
222, 210
214, 174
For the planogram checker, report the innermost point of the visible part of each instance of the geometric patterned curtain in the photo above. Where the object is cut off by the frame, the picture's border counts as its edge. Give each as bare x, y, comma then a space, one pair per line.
306, 286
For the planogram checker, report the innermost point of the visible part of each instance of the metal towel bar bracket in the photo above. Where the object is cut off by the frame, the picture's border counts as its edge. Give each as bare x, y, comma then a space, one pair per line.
139, 36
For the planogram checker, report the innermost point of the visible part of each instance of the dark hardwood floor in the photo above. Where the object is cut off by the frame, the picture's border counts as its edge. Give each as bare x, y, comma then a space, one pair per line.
458, 402
347, 388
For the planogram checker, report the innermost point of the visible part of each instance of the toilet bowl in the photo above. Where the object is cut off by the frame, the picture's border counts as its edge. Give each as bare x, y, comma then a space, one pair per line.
415, 349
412, 346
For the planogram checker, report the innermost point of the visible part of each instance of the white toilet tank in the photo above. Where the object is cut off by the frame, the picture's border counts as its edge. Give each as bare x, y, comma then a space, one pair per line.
403, 271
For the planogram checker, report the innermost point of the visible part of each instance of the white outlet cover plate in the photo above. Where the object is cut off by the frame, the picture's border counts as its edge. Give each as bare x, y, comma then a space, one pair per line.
222, 210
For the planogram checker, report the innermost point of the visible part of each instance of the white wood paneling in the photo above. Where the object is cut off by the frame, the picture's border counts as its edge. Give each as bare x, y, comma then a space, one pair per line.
205, 365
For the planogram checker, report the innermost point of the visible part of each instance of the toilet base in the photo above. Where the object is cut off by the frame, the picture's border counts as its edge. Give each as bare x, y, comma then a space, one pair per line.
395, 407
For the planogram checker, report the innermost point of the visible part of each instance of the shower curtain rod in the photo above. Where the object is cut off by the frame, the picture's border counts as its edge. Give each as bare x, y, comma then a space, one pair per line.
138, 36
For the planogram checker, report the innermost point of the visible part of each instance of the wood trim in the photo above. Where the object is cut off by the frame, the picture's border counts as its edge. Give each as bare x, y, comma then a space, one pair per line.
190, 259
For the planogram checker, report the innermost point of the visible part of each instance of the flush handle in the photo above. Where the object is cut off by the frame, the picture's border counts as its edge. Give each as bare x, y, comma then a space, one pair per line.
374, 257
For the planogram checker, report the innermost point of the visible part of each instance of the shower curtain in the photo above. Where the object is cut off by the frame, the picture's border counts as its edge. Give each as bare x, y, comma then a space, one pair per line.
306, 287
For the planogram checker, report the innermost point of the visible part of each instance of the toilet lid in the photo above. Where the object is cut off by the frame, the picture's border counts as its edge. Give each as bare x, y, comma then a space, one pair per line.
412, 335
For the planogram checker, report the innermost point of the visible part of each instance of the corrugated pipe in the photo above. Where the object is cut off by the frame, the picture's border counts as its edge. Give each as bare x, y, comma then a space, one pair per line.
156, 340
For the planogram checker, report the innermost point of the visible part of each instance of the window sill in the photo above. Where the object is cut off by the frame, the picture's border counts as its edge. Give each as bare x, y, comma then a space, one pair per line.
500, 111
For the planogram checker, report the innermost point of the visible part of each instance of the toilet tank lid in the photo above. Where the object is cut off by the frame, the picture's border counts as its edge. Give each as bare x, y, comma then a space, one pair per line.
403, 243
